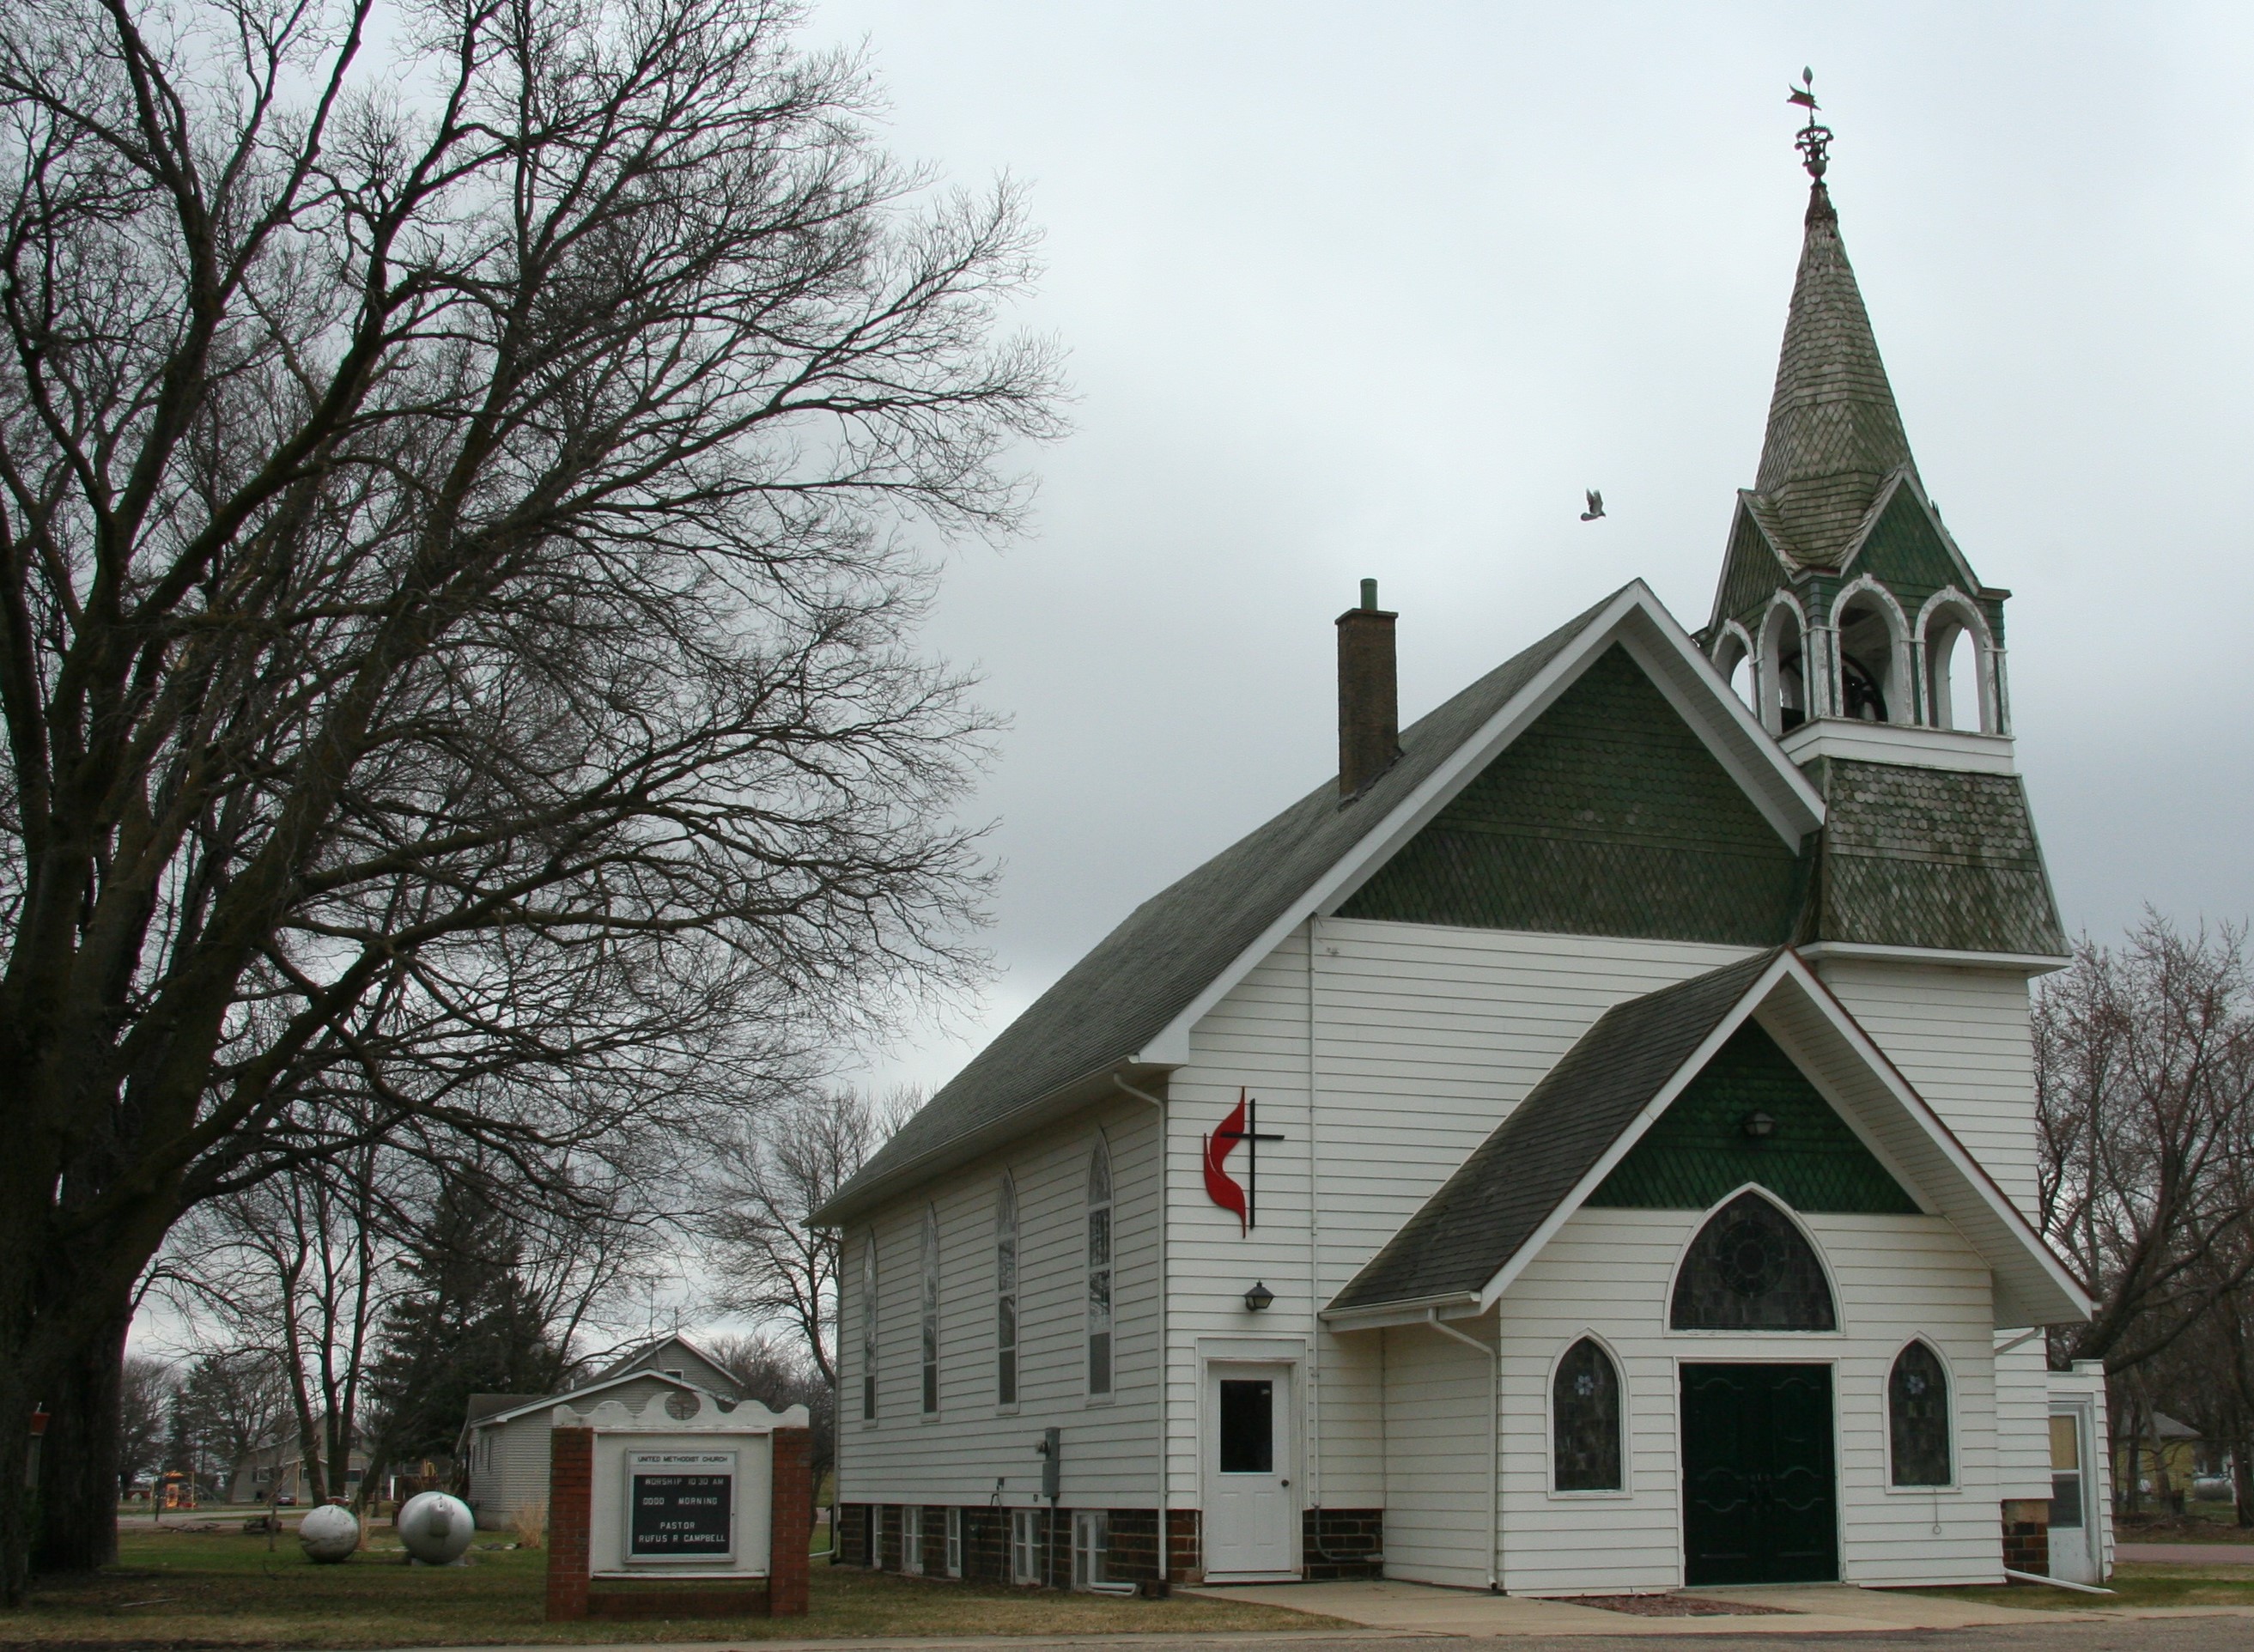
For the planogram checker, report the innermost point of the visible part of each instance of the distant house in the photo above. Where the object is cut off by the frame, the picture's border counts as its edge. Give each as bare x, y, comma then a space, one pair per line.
503, 1446
2184, 1454
277, 1467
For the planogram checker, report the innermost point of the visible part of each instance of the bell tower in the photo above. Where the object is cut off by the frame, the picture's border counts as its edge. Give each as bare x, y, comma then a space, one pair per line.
1857, 621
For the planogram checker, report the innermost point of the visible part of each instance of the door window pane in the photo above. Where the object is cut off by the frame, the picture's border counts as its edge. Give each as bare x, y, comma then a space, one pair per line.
2066, 1473
1248, 1426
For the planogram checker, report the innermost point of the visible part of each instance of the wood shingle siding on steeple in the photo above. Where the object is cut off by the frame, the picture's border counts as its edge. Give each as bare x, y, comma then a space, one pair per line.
1931, 857
1608, 816
1834, 432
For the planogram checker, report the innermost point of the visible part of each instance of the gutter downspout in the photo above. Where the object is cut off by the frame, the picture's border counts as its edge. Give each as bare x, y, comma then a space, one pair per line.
1166, 1350
1494, 1441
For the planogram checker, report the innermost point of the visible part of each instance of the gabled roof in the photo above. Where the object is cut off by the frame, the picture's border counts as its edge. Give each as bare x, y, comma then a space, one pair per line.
1132, 1001
646, 1356
524, 1405
1834, 434
1468, 1241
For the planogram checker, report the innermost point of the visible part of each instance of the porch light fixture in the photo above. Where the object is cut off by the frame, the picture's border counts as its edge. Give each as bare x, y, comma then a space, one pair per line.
1759, 1125
1258, 1298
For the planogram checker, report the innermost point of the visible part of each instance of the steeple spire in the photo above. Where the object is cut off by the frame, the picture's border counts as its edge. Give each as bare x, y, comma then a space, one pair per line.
1834, 433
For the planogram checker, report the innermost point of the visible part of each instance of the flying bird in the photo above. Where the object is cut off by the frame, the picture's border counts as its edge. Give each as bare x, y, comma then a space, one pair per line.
1596, 505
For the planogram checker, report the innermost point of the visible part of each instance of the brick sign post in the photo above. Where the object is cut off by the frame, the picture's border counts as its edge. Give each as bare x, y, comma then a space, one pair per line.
704, 1515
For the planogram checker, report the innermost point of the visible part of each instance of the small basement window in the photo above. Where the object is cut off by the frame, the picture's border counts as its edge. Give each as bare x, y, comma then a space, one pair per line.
1024, 1545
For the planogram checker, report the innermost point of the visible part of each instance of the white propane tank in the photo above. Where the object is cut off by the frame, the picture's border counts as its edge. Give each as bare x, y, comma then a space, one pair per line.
435, 1528
328, 1534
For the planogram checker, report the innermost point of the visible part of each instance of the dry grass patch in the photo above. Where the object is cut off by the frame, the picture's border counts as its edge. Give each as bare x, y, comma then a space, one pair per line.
176, 1592
2134, 1583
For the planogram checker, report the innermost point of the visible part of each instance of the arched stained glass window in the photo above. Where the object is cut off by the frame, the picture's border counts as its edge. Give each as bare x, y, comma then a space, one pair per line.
1006, 1293
1750, 1268
869, 1328
1917, 1418
1585, 1412
930, 1310
1099, 1270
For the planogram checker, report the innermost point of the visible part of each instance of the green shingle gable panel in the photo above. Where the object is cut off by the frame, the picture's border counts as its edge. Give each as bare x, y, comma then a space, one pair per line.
1751, 576
1931, 857
1608, 816
1698, 1152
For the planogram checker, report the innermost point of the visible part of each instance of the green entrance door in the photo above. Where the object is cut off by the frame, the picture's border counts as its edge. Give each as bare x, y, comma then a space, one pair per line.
1757, 1486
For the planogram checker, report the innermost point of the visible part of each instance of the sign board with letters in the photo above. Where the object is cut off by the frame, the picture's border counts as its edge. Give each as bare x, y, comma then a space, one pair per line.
681, 1505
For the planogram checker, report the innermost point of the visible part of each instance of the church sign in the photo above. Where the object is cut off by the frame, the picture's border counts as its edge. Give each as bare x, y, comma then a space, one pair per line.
681, 1505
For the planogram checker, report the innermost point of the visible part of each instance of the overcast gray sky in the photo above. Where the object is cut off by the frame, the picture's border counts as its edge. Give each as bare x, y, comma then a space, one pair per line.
1379, 291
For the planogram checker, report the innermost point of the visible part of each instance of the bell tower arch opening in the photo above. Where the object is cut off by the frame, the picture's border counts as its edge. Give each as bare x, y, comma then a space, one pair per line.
1874, 674
1960, 666
1781, 668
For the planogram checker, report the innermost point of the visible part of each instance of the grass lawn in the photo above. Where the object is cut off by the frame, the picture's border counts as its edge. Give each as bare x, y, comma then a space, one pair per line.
2134, 1583
174, 1592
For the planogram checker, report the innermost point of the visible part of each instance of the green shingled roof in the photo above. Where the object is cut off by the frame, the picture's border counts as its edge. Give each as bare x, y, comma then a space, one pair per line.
1930, 857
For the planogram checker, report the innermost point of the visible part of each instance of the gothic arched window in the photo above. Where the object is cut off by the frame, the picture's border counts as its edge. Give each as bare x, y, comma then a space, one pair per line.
1917, 1418
1099, 1271
869, 1328
1585, 1413
930, 1310
1751, 1269
1006, 1293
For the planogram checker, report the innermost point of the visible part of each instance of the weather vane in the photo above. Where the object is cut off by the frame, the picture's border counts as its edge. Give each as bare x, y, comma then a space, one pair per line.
1814, 139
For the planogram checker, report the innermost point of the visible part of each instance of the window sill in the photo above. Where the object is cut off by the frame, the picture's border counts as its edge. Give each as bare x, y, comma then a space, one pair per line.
1009, 1409
1950, 1490
1623, 1495
1100, 1399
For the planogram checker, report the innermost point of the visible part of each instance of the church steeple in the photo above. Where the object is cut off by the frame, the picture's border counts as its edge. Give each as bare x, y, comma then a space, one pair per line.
1842, 592
1835, 436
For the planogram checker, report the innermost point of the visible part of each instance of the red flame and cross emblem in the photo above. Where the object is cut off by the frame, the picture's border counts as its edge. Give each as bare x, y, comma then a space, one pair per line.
1243, 1199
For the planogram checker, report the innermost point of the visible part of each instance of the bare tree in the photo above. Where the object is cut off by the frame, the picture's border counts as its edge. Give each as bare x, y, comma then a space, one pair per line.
452, 611
145, 1399
2144, 1086
766, 1177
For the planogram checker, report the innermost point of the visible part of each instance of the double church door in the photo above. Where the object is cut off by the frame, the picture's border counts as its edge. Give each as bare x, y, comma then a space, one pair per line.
1758, 1490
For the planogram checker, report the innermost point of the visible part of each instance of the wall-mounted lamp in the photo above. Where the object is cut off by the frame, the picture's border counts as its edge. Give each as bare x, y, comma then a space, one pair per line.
1759, 1125
1258, 1298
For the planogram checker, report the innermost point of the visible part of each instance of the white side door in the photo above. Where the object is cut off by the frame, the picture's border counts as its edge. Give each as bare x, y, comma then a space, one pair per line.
1252, 1513
2074, 1517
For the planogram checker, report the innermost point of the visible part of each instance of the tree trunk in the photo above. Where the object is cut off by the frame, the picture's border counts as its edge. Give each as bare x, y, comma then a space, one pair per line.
78, 1458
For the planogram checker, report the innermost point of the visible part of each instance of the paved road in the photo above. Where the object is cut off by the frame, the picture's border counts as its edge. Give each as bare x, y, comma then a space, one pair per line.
2187, 1633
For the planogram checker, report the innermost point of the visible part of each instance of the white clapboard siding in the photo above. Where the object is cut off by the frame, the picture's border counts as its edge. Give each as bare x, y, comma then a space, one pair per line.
1608, 1273
1109, 1445
1424, 1037
1437, 1477
1961, 1038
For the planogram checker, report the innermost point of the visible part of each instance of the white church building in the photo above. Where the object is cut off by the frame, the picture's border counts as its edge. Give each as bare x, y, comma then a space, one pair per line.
1587, 1146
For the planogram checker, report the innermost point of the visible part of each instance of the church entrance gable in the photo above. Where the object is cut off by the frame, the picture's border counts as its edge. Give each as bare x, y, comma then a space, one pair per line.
1760, 1499
1752, 1115
1608, 816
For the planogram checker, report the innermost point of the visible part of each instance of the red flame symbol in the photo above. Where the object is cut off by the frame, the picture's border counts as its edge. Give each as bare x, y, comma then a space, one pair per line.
1219, 1186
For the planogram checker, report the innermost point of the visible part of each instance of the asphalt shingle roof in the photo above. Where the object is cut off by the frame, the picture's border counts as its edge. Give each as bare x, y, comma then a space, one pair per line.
1466, 1232
1147, 970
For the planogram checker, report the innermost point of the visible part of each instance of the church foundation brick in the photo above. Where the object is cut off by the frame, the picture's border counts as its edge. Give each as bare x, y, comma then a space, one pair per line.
1341, 1544
2026, 1536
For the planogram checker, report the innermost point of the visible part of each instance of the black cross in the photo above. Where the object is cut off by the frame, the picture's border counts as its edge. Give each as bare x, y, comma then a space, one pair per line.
1251, 1137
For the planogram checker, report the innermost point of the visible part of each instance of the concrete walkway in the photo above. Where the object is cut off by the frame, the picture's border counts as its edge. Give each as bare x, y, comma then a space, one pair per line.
1416, 1609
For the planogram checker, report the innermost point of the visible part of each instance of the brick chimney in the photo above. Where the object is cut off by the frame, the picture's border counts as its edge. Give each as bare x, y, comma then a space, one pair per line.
1369, 700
